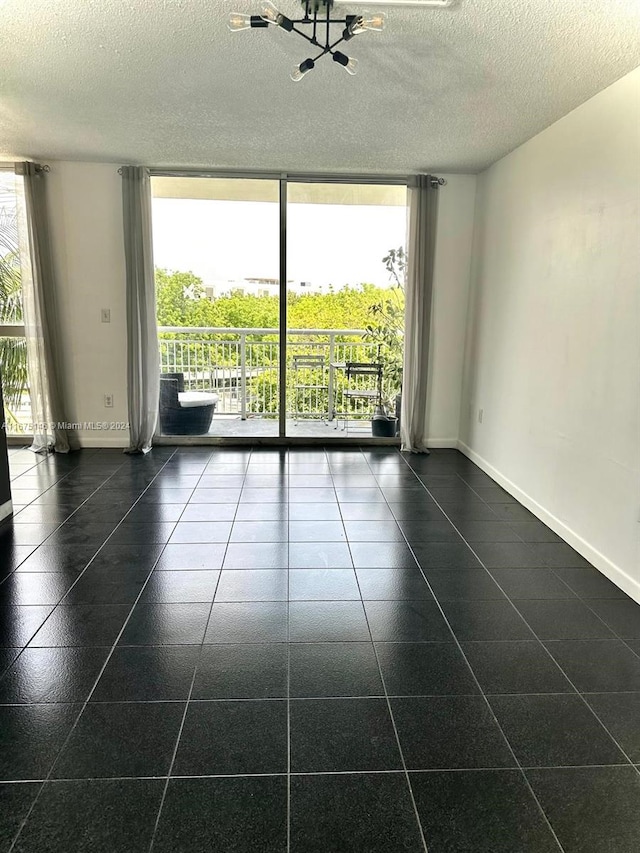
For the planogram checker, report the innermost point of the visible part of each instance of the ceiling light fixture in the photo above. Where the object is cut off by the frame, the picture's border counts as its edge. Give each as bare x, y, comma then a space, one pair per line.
318, 27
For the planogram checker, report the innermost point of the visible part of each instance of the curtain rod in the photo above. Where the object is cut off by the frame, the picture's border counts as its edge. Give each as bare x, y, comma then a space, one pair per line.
10, 165
294, 177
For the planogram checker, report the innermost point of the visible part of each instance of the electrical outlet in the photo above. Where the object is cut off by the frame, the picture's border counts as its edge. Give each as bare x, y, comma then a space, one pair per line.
108, 401
105, 315
480, 415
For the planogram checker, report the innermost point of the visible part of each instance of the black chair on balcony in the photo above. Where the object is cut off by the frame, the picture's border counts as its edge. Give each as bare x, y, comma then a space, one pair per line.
364, 382
184, 412
310, 386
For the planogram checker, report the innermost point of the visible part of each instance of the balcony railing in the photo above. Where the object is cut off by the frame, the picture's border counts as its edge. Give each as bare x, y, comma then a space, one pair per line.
241, 367
13, 360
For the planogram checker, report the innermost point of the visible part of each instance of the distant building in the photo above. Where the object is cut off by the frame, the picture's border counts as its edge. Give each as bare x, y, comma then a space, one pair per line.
259, 286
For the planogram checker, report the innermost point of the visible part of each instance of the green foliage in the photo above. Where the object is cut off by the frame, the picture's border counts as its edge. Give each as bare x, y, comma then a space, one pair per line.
182, 301
386, 326
180, 298
396, 265
13, 351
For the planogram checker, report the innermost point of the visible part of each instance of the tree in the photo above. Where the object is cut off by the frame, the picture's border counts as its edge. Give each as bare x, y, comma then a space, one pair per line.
178, 298
386, 328
182, 301
13, 351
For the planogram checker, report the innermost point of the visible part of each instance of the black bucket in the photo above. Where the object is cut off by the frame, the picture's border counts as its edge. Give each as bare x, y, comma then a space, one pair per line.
384, 427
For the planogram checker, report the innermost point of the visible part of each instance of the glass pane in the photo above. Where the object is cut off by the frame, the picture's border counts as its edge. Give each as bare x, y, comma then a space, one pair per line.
13, 350
345, 306
216, 251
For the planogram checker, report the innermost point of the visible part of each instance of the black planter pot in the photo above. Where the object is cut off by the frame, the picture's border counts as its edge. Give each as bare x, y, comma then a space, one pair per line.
398, 411
384, 427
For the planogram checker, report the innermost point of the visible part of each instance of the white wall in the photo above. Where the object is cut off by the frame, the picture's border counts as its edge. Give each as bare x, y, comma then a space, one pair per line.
450, 301
553, 346
86, 211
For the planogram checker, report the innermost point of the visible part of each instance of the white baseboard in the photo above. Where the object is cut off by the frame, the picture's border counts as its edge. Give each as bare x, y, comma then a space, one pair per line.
103, 441
443, 443
615, 573
6, 509
97, 441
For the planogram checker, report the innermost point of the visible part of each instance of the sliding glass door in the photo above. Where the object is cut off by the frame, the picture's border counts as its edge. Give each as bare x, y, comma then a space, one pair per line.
269, 290
216, 251
345, 307
13, 344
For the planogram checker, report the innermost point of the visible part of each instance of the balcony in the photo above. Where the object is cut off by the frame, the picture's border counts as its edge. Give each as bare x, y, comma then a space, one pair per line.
241, 367
13, 359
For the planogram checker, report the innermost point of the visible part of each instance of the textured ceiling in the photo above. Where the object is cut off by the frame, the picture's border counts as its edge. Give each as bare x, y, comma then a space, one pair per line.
163, 82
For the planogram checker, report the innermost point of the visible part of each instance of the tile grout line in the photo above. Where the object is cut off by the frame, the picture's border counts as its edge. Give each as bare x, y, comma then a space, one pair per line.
93, 453
393, 721
322, 697
582, 694
539, 639
86, 702
552, 569
190, 700
585, 601
61, 524
99, 549
304, 773
189, 694
470, 668
61, 600
288, 813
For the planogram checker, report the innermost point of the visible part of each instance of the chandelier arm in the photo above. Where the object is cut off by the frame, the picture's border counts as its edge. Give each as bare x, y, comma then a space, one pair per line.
309, 21
315, 16
322, 53
311, 39
328, 23
327, 48
330, 48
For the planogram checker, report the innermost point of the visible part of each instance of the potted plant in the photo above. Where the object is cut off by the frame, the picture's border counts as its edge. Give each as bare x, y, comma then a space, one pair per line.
386, 330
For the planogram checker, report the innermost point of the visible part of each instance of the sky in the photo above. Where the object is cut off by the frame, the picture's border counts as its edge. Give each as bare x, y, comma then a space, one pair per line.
233, 240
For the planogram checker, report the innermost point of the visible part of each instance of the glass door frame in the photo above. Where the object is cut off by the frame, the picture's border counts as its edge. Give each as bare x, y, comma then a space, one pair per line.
284, 179
13, 330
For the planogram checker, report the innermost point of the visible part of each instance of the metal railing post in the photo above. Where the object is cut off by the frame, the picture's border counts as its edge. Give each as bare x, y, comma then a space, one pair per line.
332, 357
230, 380
243, 376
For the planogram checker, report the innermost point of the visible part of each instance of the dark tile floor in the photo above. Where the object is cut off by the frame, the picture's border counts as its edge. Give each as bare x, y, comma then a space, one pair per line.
306, 650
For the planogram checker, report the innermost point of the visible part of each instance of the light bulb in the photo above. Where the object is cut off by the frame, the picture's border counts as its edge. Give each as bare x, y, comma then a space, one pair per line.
349, 64
238, 21
352, 66
268, 12
374, 22
302, 70
271, 15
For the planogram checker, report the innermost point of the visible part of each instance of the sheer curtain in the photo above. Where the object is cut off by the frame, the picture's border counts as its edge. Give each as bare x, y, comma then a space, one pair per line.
44, 355
423, 216
143, 360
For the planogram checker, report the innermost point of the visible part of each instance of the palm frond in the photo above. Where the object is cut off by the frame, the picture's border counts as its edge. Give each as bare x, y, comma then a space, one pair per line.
13, 351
